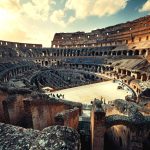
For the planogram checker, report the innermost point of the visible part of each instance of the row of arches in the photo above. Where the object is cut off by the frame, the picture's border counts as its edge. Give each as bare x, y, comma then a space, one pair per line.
13, 72
86, 52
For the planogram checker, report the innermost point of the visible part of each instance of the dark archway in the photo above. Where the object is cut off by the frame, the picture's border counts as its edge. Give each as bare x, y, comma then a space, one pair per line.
124, 53
130, 53
96, 53
118, 53
136, 52
143, 52
46, 63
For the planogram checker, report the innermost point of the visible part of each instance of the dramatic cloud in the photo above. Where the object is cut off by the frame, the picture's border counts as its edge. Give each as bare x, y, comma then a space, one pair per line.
25, 22
35, 20
37, 9
145, 7
85, 8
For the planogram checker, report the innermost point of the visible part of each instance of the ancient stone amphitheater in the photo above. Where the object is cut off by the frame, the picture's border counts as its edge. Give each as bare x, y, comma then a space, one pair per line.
34, 118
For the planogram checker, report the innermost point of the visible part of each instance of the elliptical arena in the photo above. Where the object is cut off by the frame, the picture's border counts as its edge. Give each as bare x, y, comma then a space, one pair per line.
88, 91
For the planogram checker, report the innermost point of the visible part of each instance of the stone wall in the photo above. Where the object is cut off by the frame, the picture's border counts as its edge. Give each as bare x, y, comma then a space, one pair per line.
97, 126
19, 45
68, 118
3, 95
41, 112
126, 33
11, 104
20, 107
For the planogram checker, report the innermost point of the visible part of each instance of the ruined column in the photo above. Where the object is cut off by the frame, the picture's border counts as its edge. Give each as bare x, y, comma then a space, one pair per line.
97, 126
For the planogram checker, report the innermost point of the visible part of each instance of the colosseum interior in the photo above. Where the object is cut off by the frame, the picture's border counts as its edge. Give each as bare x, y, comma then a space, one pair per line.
88, 91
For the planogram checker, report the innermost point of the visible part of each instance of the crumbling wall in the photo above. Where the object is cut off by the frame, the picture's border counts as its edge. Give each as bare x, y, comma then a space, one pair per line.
68, 118
14, 109
3, 95
43, 114
97, 126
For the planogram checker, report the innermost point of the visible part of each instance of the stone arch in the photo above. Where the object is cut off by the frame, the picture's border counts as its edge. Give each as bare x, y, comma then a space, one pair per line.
138, 75
109, 53
78, 52
124, 52
105, 53
101, 53
133, 76
143, 52
128, 73
65, 53
46, 63
114, 53
58, 53
93, 53
112, 139
118, 53
144, 77
130, 53
136, 52
96, 53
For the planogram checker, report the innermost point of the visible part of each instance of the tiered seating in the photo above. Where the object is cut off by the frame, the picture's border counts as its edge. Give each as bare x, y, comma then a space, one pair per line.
84, 60
62, 78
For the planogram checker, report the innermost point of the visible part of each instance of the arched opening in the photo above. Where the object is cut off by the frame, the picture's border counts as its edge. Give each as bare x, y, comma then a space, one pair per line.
114, 53
116, 138
124, 53
96, 53
133, 76
138, 75
144, 77
118, 53
46, 63
109, 53
128, 73
143, 52
78, 53
130, 53
93, 53
101, 53
105, 53
136, 52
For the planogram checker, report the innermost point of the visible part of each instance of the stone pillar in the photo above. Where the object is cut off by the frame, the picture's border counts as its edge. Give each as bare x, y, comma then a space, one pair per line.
3, 96
97, 126
136, 140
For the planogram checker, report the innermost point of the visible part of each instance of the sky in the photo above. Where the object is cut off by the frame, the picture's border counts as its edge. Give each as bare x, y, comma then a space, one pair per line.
36, 21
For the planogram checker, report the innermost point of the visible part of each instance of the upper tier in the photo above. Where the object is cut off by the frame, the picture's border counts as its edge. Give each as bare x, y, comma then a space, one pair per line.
125, 33
19, 45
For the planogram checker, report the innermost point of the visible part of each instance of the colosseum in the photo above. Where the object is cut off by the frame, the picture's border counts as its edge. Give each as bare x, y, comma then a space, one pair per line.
88, 91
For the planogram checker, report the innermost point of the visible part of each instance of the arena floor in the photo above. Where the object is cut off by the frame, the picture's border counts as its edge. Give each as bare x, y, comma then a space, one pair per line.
87, 93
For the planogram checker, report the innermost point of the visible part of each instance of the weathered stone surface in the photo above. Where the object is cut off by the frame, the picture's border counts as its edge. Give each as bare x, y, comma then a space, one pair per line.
51, 138
16, 138
57, 138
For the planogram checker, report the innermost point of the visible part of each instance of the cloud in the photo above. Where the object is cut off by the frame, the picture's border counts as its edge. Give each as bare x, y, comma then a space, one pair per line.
58, 17
86, 8
27, 22
11, 5
37, 9
34, 20
99, 8
145, 7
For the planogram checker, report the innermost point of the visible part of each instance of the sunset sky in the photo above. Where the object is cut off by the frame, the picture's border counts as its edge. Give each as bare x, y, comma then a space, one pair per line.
36, 21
